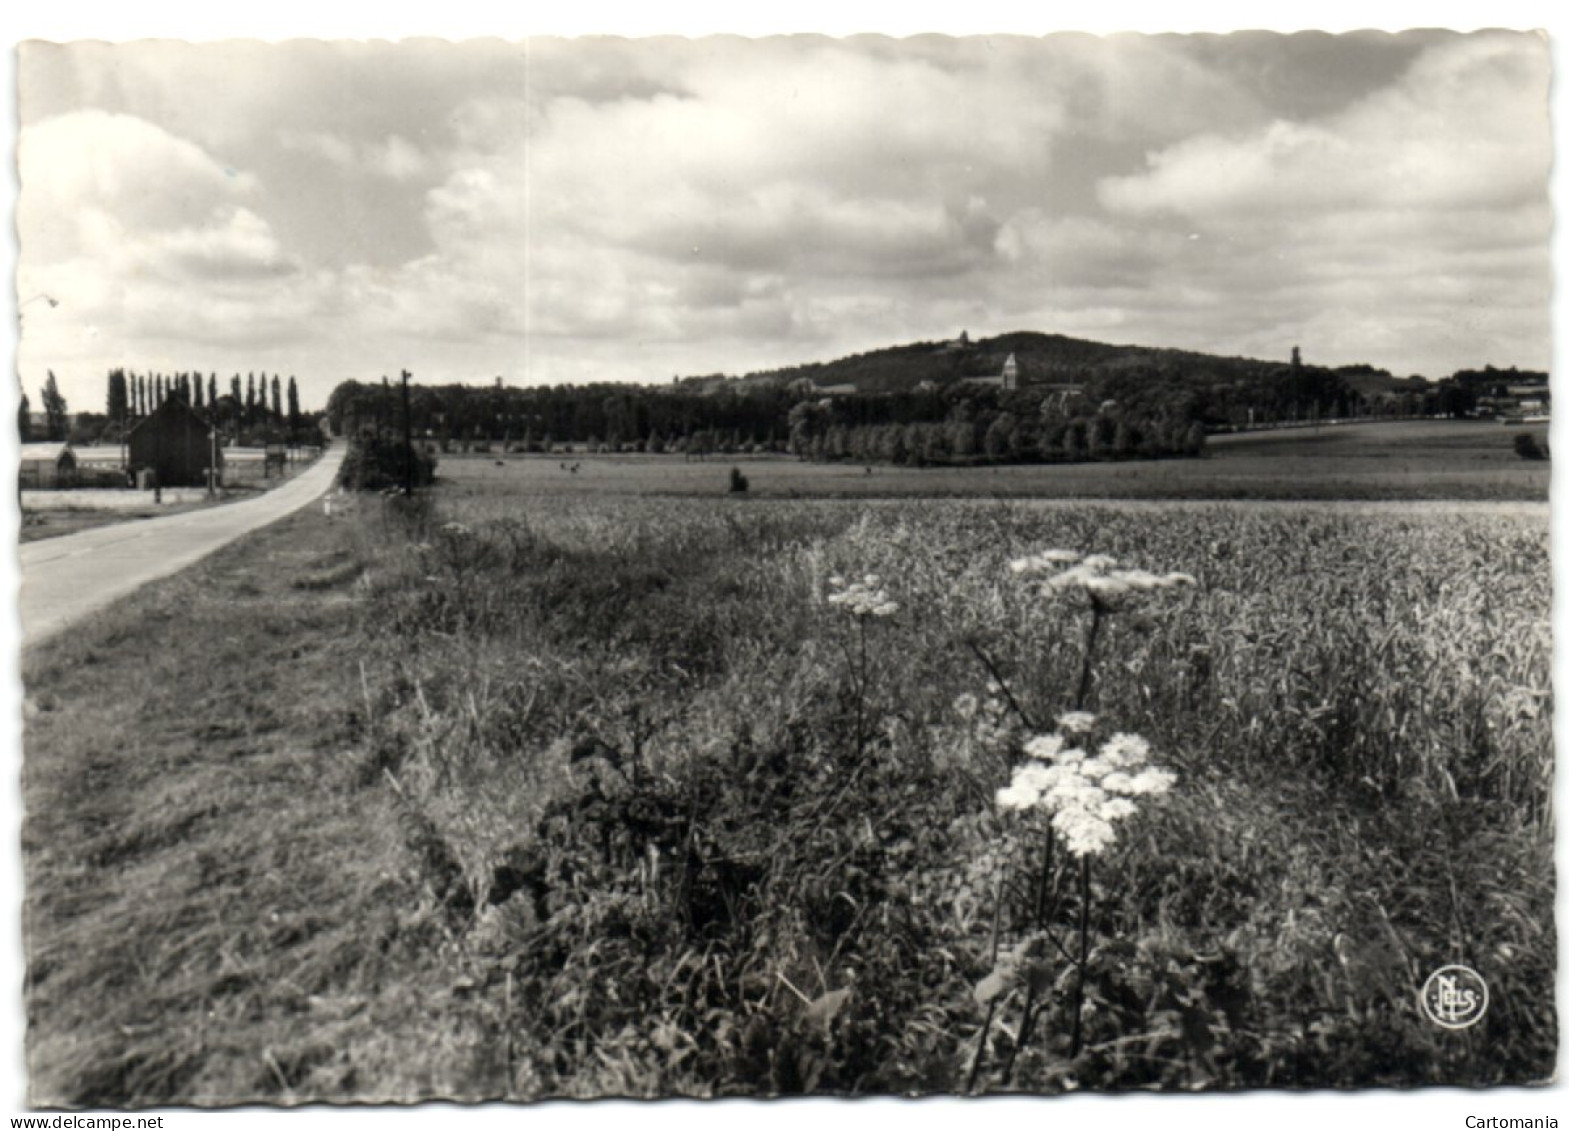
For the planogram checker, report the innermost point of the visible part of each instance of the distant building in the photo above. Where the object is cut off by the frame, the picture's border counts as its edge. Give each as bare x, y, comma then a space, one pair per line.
174, 441
47, 465
1010, 374
100, 456
1007, 380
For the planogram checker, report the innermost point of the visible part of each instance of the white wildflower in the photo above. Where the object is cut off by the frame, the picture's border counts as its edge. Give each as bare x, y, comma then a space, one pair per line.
1141, 580
1024, 792
1124, 750
1117, 808
1117, 781
1106, 585
1084, 794
1061, 571
1044, 747
1077, 576
1044, 562
1152, 781
1033, 775
1087, 833
1076, 722
1014, 798
863, 598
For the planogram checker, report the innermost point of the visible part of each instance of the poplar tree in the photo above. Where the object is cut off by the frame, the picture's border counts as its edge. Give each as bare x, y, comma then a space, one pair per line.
54, 409
119, 401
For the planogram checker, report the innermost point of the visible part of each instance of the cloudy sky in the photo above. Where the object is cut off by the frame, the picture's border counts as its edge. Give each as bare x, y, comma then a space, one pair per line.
598, 209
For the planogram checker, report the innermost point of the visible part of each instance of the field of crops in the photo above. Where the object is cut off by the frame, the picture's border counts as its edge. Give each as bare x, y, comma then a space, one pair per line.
1379, 460
612, 797
724, 835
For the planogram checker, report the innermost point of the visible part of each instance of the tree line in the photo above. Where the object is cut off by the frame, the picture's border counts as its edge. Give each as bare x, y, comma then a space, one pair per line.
262, 409
926, 425
975, 433
927, 402
541, 418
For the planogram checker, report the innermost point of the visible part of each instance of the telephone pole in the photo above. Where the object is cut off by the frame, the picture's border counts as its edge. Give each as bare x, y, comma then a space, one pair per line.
408, 442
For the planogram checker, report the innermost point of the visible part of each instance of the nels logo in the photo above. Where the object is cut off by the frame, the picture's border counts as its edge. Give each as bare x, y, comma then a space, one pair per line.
1454, 997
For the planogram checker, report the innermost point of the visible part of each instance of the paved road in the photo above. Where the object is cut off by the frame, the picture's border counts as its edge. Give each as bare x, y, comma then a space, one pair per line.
66, 578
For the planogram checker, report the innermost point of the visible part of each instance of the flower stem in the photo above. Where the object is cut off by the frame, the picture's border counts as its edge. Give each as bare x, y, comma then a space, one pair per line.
860, 696
980, 1047
991, 670
991, 1006
1097, 611
1084, 956
1042, 910
1026, 1023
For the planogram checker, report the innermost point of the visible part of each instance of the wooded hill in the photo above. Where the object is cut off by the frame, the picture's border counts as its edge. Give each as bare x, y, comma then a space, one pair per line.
1062, 380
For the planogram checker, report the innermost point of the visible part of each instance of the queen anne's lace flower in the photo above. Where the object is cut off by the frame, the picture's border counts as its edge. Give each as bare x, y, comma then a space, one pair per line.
1084, 793
1076, 722
1047, 561
1065, 571
1045, 747
864, 598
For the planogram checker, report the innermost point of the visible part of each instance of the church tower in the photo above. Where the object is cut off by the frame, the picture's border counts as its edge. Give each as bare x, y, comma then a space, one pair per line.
1010, 374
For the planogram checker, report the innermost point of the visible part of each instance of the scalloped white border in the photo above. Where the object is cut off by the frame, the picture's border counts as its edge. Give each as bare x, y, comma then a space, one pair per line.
392, 19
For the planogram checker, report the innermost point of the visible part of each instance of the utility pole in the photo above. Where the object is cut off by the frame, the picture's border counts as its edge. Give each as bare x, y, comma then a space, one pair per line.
408, 442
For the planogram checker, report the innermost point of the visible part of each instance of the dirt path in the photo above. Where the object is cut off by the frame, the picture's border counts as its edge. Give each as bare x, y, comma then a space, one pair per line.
66, 578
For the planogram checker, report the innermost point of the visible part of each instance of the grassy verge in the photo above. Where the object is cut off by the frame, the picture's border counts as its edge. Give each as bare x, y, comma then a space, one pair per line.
219, 905
601, 797
55, 522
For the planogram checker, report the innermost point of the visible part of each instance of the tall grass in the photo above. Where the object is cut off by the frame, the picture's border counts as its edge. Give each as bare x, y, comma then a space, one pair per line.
685, 849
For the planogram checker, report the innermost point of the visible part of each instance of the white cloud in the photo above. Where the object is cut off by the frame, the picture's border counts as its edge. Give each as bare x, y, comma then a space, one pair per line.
632, 209
147, 238
82, 169
1413, 224
1466, 126
393, 157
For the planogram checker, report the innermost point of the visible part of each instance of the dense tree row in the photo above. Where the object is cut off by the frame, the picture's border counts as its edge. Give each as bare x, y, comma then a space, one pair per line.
1489, 381
971, 435
614, 415
262, 410
914, 403
928, 425
258, 411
